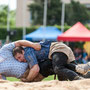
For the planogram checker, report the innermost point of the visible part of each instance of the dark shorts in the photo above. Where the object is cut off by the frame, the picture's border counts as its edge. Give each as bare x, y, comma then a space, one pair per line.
46, 68
59, 60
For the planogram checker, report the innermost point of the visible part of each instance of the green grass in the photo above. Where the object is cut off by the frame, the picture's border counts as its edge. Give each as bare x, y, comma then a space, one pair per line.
46, 79
12, 79
49, 78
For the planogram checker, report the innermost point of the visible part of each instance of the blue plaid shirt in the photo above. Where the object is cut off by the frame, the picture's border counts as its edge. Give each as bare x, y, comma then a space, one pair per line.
33, 57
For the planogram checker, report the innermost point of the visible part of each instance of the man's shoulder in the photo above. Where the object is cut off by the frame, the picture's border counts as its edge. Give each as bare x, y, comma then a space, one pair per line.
8, 47
9, 44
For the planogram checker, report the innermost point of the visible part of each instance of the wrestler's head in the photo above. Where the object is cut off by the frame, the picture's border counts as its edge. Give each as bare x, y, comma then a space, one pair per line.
18, 53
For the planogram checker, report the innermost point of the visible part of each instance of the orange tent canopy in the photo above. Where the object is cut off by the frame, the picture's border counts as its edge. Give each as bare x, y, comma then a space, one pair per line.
77, 32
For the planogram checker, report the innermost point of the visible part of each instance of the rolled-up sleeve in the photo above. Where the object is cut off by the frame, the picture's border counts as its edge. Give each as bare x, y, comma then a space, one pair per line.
30, 57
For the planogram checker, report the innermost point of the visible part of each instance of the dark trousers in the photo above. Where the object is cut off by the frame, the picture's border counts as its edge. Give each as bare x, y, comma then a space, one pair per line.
61, 68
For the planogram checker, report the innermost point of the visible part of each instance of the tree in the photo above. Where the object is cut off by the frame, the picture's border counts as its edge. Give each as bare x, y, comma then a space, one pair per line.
12, 17
53, 12
76, 12
3, 16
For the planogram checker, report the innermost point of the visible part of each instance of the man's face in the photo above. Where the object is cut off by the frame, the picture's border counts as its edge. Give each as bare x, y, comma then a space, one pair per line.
20, 57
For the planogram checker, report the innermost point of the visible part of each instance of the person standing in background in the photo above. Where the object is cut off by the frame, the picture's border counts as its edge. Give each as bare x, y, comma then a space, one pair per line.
0, 43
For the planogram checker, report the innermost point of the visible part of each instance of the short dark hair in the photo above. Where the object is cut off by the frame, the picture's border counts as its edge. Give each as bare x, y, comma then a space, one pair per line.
17, 50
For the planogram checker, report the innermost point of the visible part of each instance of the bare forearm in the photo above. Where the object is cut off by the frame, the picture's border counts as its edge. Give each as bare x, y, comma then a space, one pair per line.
26, 43
33, 72
32, 76
39, 77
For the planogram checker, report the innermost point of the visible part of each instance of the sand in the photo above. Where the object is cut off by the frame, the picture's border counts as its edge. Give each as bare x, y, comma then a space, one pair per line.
46, 85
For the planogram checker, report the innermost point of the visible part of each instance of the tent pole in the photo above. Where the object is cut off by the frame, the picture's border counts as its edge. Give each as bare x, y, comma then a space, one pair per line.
8, 22
24, 20
62, 16
44, 18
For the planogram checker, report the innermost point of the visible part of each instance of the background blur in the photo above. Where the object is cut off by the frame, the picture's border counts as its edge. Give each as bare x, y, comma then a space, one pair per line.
20, 17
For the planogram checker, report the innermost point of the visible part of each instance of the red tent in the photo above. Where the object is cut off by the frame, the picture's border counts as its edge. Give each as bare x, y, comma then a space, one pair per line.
77, 32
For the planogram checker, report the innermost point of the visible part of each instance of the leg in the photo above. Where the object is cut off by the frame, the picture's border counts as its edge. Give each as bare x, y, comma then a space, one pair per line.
87, 75
25, 73
80, 68
83, 68
59, 60
46, 68
71, 66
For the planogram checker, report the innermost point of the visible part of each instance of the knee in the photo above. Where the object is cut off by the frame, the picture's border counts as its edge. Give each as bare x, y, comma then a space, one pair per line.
56, 69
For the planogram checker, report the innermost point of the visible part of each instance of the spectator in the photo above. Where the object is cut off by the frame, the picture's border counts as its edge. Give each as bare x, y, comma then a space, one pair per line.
85, 57
78, 55
0, 43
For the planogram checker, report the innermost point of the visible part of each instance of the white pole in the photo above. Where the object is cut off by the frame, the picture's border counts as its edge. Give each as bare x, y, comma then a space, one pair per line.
62, 16
24, 22
45, 17
8, 22
45, 13
62, 19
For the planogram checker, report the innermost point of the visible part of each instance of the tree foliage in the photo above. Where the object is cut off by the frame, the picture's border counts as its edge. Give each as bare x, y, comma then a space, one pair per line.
74, 12
53, 12
3, 16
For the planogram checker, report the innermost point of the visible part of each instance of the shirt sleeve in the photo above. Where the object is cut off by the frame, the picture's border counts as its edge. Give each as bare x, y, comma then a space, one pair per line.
9, 46
30, 57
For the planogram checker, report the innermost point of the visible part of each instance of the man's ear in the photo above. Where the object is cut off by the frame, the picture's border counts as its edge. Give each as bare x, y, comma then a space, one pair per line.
22, 51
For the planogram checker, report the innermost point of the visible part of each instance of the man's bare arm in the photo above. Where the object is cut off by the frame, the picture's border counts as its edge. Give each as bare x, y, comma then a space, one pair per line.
33, 73
26, 43
39, 77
